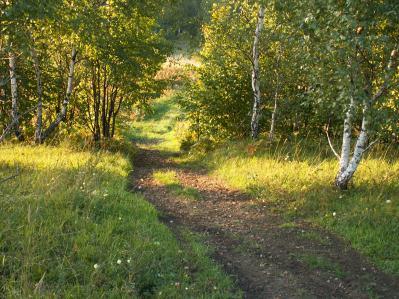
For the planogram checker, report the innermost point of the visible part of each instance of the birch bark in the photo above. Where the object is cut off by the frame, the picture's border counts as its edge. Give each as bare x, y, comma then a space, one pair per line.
14, 96
256, 75
39, 120
347, 137
276, 95
64, 107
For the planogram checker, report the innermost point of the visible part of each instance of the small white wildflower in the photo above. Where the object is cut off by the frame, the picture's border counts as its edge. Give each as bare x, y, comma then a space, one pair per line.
120, 218
388, 201
119, 262
96, 266
129, 261
341, 196
334, 214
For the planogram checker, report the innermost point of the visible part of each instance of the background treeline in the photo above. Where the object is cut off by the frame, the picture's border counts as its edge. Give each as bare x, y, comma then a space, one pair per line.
118, 48
314, 57
114, 48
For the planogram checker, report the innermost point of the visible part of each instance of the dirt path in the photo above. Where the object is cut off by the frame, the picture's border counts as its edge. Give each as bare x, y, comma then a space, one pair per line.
267, 258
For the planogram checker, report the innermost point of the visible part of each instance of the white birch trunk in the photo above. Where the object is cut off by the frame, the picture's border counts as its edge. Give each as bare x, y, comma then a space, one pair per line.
14, 96
64, 107
346, 173
256, 75
39, 120
276, 95
349, 167
347, 137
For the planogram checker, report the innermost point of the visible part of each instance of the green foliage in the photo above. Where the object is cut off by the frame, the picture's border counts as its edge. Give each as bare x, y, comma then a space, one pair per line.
315, 55
183, 20
120, 49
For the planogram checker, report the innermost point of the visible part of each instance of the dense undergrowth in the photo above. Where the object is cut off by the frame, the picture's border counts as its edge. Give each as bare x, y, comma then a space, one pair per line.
69, 228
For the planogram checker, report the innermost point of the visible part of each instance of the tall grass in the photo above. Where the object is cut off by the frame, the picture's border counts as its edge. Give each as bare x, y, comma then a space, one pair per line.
296, 179
69, 228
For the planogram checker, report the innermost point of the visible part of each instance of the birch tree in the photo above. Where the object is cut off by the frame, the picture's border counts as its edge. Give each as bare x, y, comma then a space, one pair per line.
14, 96
61, 115
256, 112
39, 115
348, 165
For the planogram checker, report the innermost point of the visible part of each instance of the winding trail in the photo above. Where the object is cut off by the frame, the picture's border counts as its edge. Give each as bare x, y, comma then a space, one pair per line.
266, 258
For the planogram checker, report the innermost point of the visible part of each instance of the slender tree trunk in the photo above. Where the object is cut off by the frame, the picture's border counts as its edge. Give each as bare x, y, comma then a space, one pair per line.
256, 76
114, 116
39, 121
97, 104
64, 107
14, 97
346, 138
276, 95
104, 109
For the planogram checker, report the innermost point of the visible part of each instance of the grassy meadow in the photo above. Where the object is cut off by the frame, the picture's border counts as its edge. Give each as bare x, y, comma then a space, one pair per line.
69, 228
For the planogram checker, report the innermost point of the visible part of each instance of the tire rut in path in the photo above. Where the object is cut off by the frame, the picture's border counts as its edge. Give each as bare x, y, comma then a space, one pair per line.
266, 259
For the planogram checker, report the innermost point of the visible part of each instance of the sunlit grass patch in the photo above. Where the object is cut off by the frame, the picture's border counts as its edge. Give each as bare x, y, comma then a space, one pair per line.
166, 177
69, 228
161, 128
172, 182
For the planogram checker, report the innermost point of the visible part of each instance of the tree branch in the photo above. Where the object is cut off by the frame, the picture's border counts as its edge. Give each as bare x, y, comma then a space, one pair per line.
392, 64
371, 145
330, 143
10, 177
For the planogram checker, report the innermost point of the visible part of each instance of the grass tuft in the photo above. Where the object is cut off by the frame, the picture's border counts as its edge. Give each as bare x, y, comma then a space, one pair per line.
171, 181
322, 263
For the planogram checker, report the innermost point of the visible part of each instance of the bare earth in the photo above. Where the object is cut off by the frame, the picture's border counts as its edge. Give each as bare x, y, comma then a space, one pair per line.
263, 257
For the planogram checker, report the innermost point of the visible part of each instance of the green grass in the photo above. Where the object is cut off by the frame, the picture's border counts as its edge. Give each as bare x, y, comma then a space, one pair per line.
162, 129
295, 179
170, 180
69, 228
322, 263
